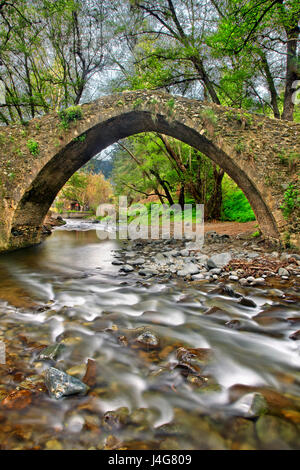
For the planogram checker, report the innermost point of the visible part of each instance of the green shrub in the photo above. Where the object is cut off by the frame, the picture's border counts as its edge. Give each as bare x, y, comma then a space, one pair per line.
291, 200
137, 103
210, 116
255, 234
73, 113
235, 205
33, 147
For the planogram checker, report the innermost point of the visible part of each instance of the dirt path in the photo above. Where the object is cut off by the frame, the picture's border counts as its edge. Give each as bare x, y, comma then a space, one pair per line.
231, 228
228, 228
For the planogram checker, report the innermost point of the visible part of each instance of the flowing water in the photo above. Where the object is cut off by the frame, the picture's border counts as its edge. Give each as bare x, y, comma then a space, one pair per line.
66, 290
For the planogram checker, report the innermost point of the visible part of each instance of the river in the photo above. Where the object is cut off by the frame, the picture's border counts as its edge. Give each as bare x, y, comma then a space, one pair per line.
239, 390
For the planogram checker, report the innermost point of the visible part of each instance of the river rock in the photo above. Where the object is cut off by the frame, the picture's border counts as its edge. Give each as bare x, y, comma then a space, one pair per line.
252, 255
202, 259
148, 272
138, 261
276, 433
251, 405
283, 272
247, 302
160, 259
219, 260
117, 262
127, 268
233, 324
215, 271
184, 252
260, 281
198, 277
189, 268
173, 253
115, 419
60, 384
51, 353
148, 339
295, 336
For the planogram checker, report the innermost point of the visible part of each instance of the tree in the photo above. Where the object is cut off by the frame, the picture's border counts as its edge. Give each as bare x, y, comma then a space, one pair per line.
86, 188
266, 32
154, 164
169, 37
50, 51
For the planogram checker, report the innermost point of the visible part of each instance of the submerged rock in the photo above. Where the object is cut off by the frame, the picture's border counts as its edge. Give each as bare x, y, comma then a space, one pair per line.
295, 336
276, 433
148, 272
17, 400
252, 405
227, 290
149, 339
115, 419
247, 302
60, 384
117, 262
51, 353
127, 268
233, 324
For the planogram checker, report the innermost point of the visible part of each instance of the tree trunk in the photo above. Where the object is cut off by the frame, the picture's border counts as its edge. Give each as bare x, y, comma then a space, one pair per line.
292, 73
271, 85
181, 196
215, 203
205, 80
164, 185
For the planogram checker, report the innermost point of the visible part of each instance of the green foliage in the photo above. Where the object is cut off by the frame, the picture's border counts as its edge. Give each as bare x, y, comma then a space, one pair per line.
287, 239
19, 152
288, 159
75, 187
137, 103
256, 234
244, 119
80, 138
210, 116
235, 205
291, 200
171, 104
68, 115
33, 147
240, 146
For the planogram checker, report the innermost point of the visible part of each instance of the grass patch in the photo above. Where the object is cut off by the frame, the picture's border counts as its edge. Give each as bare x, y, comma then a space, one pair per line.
33, 147
68, 115
235, 206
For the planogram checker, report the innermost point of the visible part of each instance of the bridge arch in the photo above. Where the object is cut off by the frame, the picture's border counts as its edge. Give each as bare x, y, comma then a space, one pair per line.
220, 133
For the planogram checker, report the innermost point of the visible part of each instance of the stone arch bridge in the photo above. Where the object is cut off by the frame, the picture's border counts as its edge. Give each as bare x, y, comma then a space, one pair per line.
37, 159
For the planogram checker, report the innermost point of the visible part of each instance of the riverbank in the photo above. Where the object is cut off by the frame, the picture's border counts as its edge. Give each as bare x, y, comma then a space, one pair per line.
222, 257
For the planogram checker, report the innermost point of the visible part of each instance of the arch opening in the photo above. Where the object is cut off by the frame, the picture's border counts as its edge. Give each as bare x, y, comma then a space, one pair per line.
37, 199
